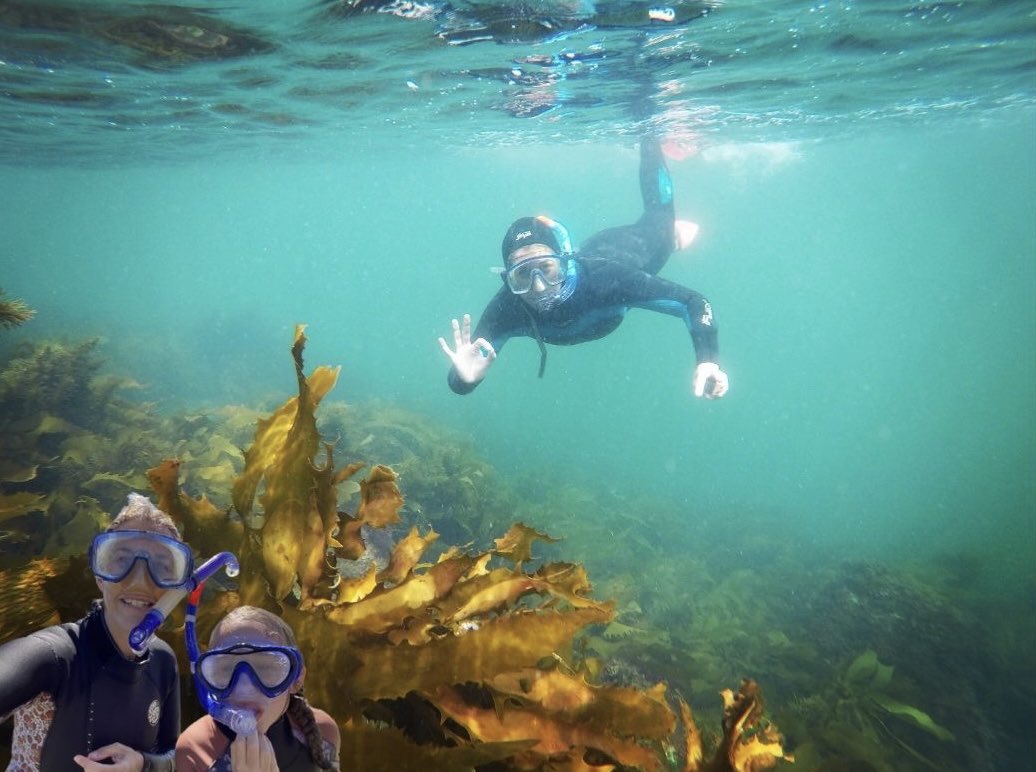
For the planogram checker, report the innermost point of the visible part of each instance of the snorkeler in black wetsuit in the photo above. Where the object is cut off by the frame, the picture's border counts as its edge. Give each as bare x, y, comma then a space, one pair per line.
556, 295
81, 697
99, 697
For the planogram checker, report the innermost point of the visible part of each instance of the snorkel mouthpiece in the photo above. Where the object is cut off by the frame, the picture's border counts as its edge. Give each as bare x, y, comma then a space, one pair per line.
238, 720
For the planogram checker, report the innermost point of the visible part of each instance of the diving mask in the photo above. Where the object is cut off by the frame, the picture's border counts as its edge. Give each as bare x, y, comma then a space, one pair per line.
114, 553
271, 669
551, 269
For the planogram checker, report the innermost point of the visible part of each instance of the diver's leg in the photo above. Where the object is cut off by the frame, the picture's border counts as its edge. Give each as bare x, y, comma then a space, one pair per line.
657, 224
648, 242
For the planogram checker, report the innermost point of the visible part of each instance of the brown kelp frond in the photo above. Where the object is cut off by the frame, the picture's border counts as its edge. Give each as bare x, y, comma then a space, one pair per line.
517, 543
13, 312
453, 652
23, 603
295, 532
16, 504
43, 592
750, 741
206, 527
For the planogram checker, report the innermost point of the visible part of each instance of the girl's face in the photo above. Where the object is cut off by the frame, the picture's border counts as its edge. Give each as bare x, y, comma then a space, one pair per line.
245, 694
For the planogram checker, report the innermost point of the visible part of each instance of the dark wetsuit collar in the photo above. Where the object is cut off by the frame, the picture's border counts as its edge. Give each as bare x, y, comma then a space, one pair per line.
106, 654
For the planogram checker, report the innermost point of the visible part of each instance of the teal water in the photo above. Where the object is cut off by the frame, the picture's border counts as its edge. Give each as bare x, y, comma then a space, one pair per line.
865, 182
874, 299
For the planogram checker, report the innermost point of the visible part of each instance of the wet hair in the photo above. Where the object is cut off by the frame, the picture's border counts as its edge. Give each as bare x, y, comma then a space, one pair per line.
300, 712
139, 509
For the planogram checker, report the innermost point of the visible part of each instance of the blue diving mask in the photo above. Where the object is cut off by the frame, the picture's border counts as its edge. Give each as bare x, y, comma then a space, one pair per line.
113, 555
272, 669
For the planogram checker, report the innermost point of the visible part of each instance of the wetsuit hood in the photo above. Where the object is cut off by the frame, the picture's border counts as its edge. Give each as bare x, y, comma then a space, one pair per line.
535, 230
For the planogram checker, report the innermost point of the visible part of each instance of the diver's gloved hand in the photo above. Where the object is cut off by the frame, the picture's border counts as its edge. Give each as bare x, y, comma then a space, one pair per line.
470, 360
709, 381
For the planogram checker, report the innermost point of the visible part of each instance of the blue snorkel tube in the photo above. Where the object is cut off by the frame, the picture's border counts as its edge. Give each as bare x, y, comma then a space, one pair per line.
141, 635
240, 721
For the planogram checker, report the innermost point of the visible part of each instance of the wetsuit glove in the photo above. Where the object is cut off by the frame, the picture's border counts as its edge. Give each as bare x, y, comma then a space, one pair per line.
709, 381
471, 360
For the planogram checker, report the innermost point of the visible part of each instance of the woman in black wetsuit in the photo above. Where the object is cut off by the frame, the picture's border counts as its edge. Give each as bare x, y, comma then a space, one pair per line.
81, 698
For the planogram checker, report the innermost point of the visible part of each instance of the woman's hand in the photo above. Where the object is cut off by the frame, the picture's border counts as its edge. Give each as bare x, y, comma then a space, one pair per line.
111, 758
470, 360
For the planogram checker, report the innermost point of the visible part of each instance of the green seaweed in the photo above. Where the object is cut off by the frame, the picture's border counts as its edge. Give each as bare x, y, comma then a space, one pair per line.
13, 312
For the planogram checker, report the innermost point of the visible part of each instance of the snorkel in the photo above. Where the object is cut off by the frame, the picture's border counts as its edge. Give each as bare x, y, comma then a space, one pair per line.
238, 720
241, 721
141, 635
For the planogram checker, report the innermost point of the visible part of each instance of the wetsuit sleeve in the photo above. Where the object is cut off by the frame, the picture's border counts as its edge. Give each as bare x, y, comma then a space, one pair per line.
159, 762
29, 666
642, 290
500, 321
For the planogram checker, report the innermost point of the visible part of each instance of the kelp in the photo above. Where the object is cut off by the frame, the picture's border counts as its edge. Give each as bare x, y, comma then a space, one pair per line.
737, 600
750, 741
465, 658
468, 650
13, 312
863, 711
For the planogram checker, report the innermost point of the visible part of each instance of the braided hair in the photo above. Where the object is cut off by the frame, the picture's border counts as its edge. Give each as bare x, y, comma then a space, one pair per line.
301, 715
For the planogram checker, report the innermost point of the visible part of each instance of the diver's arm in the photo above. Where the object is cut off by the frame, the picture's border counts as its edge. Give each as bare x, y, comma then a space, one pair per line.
709, 380
28, 667
656, 294
159, 762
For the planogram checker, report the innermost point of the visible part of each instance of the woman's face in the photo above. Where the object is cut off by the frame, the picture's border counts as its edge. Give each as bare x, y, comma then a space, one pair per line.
245, 694
126, 602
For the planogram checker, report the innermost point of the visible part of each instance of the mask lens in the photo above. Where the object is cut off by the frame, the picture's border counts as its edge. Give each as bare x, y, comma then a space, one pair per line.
271, 668
113, 555
520, 277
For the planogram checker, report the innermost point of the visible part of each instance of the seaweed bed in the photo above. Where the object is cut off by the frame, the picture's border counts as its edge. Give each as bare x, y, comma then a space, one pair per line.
446, 639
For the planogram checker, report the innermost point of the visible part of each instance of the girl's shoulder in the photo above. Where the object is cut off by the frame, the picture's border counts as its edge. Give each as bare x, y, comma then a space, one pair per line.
328, 727
200, 746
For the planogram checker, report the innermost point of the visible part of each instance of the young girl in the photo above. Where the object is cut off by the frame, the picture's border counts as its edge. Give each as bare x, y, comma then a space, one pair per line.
253, 664
81, 697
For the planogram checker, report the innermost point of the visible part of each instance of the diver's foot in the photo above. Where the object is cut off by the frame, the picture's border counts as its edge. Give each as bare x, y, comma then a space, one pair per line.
684, 234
